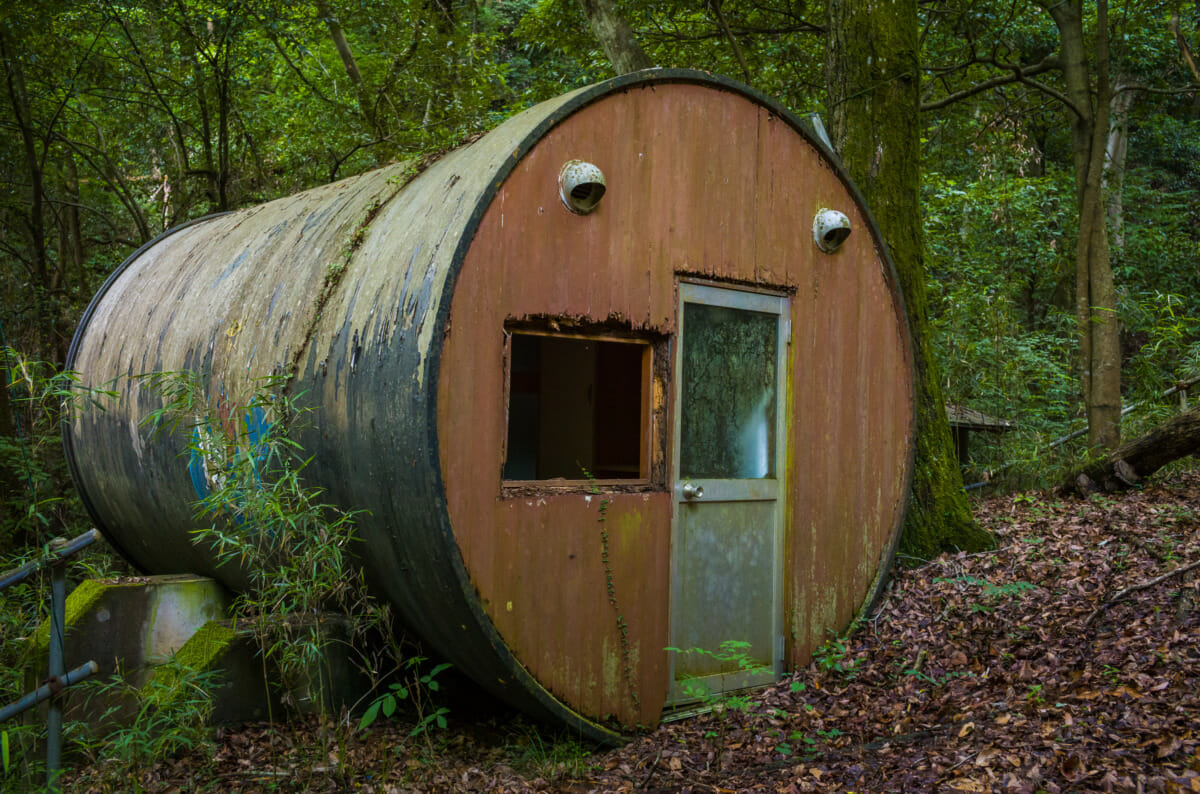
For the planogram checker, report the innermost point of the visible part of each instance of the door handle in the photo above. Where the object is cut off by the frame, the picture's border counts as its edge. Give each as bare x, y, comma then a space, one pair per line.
692, 492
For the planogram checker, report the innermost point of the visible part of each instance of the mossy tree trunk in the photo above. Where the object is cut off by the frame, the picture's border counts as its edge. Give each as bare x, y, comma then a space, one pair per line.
872, 77
615, 36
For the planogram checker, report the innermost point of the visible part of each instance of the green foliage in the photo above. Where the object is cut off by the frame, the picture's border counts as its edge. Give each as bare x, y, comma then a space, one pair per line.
834, 656
416, 686
804, 745
538, 753
172, 714
37, 500
734, 659
22, 608
990, 593
37, 503
1002, 332
259, 517
775, 39
305, 593
1168, 148
1001, 275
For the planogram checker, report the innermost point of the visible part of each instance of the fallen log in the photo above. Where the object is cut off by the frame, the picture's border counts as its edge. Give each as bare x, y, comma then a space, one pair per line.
1131, 462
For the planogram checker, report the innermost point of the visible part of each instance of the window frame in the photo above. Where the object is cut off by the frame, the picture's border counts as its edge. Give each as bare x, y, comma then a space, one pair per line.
652, 441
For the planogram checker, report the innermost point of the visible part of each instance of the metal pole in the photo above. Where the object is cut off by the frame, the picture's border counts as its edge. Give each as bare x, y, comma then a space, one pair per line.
58, 617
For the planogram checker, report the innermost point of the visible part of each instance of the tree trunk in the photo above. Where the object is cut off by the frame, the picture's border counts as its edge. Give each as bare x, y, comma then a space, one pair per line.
224, 77
70, 235
1095, 293
35, 220
206, 140
871, 72
1115, 152
9, 479
1134, 460
615, 36
325, 10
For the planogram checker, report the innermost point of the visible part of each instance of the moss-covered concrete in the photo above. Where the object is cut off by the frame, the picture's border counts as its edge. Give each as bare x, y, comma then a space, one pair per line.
154, 628
131, 624
81, 602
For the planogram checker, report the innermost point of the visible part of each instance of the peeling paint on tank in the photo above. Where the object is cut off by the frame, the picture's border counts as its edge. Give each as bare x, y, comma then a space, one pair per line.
232, 266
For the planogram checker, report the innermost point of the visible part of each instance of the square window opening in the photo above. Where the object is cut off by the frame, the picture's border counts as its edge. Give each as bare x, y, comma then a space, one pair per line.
577, 408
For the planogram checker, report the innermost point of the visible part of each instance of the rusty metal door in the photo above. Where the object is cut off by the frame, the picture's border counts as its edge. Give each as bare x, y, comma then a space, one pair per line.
729, 457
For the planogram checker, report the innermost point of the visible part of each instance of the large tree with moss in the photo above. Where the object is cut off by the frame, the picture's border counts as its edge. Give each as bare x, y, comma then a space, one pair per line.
873, 77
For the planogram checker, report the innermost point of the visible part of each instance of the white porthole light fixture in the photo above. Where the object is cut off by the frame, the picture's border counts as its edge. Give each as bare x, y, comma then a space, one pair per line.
830, 230
580, 186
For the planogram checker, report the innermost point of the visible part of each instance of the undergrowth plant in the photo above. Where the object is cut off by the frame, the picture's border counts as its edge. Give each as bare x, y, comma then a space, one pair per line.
171, 715
414, 687
259, 517
37, 503
305, 595
37, 499
735, 660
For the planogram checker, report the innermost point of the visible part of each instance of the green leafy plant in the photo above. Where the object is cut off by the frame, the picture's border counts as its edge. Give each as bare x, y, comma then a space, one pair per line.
833, 656
991, 592
259, 517
414, 689
305, 597
37, 499
734, 658
804, 744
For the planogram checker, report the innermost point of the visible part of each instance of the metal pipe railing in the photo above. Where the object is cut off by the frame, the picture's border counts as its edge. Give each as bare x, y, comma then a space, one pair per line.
48, 690
60, 551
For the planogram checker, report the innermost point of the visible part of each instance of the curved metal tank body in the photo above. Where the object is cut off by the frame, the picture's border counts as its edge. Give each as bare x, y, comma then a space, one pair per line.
387, 295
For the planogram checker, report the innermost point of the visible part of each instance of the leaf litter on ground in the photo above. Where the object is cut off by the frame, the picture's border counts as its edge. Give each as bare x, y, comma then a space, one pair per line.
1006, 670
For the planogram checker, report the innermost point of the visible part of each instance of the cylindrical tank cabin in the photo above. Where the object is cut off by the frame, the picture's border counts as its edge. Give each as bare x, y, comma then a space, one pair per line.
630, 373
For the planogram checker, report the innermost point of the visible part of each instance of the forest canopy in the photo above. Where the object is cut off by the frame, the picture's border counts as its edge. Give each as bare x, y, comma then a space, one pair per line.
123, 119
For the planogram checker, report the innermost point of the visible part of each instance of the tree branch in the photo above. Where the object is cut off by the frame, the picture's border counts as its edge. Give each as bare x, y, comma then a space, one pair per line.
1173, 91
1019, 74
1128, 591
715, 6
1184, 49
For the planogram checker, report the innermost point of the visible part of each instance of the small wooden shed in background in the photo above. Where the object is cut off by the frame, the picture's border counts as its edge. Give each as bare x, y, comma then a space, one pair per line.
630, 372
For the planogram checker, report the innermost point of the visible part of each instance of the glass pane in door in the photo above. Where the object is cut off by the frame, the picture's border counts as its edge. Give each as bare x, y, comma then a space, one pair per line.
728, 402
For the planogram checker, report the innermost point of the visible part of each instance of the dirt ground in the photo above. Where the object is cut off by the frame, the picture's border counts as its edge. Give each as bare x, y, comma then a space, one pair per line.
1044, 665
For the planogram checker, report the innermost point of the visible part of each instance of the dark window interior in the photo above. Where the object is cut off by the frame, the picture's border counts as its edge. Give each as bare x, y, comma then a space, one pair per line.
575, 405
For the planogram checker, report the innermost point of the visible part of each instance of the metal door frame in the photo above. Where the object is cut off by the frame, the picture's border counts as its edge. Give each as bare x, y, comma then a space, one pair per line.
734, 297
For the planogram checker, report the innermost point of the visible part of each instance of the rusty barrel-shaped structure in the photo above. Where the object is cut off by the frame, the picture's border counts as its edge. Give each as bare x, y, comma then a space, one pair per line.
629, 373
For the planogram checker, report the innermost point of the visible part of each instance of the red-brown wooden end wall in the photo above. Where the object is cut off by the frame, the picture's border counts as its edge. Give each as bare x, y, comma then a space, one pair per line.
701, 183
